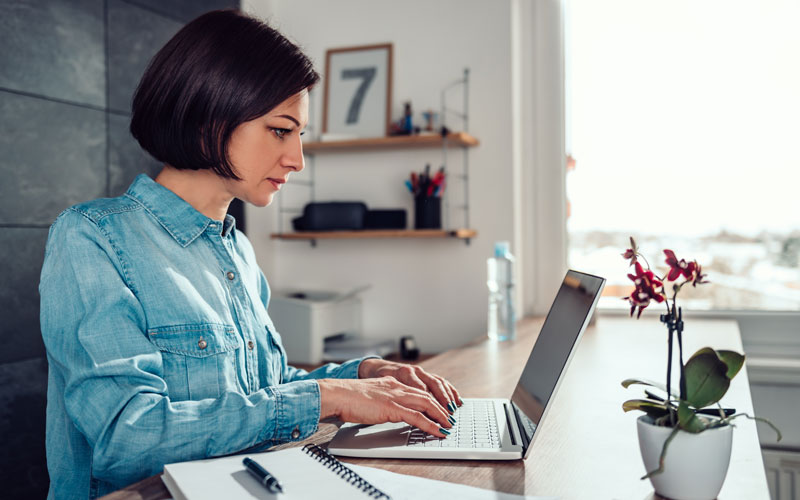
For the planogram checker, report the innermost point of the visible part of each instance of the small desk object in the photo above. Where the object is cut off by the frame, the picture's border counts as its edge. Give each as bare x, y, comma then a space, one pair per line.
588, 446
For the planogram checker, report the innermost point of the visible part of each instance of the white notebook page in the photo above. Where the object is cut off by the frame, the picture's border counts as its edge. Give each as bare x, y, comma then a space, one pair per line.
304, 477
300, 474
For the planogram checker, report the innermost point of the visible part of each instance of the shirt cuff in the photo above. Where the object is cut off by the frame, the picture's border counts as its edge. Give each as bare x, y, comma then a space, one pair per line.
297, 410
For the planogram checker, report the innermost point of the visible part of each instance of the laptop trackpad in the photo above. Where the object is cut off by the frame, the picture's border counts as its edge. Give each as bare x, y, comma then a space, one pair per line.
363, 436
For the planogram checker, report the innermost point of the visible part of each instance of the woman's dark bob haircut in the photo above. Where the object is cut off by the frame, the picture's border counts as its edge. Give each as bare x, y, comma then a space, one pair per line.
219, 71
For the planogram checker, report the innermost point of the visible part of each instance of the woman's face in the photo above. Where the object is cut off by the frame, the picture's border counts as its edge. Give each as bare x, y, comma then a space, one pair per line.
266, 150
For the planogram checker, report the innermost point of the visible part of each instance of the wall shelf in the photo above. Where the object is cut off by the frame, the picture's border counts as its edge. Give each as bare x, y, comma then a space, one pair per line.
378, 233
454, 139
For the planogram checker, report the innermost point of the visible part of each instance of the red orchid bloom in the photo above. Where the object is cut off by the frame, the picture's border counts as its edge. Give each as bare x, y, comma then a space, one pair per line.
645, 291
699, 277
631, 253
679, 267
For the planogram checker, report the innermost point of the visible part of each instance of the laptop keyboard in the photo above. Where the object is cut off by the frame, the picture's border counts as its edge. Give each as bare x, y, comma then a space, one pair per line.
475, 427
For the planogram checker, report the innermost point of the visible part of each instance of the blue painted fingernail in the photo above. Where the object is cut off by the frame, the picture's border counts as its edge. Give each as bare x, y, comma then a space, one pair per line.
452, 420
451, 406
444, 431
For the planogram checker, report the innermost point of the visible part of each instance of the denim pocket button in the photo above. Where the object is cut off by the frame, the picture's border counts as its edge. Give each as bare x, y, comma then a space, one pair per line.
296, 433
231, 275
202, 344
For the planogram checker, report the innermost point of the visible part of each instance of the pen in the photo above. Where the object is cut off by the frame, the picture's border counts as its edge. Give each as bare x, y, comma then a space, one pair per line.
266, 479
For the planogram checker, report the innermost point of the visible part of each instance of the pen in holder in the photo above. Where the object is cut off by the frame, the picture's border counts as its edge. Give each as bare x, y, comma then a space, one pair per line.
427, 212
427, 193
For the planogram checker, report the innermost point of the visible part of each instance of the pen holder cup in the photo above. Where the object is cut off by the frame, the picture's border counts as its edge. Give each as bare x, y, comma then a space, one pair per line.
427, 212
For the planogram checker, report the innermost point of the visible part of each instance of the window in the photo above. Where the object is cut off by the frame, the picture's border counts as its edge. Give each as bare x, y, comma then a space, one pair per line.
683, 119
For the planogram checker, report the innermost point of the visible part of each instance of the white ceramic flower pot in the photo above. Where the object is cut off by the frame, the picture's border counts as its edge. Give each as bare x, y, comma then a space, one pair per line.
695, 465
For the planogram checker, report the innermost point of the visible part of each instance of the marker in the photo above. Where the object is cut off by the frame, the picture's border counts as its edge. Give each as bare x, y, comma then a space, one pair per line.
266, 479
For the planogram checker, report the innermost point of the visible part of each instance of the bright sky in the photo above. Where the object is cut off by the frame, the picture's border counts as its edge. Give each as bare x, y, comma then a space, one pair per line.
684, 115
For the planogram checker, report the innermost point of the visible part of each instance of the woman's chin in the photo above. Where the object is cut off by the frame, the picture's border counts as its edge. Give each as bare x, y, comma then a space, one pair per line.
261, 201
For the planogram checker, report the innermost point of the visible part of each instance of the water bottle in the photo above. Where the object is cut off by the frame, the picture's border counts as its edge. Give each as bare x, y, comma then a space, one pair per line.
500, 280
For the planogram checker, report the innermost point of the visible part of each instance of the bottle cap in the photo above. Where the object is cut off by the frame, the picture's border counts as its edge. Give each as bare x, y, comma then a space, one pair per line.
501, 248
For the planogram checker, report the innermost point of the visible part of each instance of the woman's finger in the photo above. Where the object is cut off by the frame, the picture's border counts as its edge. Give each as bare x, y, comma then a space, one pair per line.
412, 380
436, 387
425, 403
456, 395
449, 389
420, 421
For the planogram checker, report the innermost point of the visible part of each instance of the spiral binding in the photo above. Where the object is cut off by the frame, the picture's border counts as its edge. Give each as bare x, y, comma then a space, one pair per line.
341, 470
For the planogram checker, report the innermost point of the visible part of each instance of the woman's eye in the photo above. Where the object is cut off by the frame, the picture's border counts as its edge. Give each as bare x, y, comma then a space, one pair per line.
280, 133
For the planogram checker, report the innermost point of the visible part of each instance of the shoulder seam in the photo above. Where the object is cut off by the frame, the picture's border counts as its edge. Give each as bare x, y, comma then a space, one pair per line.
96, 216
125, 267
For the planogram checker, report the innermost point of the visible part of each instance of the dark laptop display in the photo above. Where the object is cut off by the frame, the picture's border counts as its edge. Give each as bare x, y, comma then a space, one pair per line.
565, 322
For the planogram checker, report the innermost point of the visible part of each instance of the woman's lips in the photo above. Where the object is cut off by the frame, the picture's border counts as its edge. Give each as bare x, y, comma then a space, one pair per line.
276, 183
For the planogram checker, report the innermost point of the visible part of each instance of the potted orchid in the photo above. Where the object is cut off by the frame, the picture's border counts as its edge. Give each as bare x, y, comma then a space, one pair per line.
689, 421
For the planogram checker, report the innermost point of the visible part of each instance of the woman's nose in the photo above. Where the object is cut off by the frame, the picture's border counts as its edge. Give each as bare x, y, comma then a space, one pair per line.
293, 158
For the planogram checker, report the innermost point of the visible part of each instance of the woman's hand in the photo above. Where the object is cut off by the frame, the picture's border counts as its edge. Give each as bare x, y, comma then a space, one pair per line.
379, 400
413, 376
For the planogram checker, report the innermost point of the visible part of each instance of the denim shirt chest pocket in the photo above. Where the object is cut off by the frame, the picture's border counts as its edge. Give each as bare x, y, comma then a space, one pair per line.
274, 338
200, 360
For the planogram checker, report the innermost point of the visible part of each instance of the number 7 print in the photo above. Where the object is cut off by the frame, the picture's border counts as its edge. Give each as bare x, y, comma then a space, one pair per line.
358, 91
367, 75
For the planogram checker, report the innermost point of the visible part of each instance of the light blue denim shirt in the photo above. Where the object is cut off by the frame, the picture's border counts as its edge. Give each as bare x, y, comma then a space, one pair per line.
160, 346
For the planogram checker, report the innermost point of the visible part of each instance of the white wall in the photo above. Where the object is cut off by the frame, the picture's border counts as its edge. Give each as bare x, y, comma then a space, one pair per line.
432, 289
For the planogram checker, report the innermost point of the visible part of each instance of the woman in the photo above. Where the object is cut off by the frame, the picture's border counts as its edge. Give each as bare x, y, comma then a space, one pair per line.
153, 308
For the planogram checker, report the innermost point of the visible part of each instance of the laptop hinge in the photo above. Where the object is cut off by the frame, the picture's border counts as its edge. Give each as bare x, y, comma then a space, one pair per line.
508, 424
524, 435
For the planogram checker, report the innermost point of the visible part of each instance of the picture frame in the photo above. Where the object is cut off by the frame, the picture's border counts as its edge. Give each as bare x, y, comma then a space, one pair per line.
358, 91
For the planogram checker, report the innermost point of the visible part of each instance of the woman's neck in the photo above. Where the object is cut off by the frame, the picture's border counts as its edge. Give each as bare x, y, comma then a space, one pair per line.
202, 189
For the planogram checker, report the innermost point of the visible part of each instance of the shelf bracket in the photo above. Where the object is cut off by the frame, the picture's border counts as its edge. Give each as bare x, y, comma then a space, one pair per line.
464, 115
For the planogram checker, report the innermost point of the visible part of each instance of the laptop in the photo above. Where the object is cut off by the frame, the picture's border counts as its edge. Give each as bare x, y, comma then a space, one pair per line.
493, 429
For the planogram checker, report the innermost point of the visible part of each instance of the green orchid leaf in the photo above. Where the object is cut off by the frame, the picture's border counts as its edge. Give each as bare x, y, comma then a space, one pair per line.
643, 381
734, 360
652, 408
689, 421
706, 378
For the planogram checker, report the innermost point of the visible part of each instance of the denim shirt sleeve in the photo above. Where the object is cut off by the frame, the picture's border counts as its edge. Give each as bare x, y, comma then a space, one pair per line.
348, 369
114, 391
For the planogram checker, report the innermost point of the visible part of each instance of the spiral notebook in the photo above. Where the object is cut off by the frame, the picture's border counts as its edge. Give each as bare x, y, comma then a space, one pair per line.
309, 472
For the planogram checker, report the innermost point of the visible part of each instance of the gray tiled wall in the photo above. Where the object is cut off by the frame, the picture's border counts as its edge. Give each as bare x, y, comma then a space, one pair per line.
68, 70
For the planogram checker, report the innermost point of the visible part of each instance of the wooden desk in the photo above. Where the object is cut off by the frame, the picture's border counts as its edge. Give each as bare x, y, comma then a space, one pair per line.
587, 447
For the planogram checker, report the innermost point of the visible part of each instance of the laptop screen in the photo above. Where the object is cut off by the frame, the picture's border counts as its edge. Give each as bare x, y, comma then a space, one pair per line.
566, 321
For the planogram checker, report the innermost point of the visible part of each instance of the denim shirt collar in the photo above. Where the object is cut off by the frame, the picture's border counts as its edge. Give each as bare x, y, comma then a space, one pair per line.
181, 220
